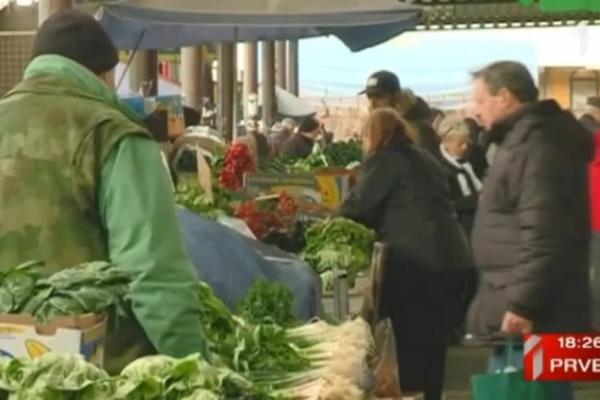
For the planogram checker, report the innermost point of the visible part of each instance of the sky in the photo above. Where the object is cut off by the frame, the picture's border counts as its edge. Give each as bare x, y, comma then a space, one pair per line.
437, 62
433, 63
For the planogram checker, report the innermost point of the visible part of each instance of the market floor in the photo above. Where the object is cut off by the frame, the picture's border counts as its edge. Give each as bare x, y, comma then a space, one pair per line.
463, 362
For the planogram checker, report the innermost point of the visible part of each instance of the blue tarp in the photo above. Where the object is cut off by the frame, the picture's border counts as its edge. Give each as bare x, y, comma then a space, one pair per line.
157, 24
230, 263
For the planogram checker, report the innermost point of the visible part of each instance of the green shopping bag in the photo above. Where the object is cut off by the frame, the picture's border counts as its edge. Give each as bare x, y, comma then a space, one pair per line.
509, 384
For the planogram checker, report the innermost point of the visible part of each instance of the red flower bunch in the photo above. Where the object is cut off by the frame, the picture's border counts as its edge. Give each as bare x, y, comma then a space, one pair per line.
238, 161
260, 221
287, 207
264, 217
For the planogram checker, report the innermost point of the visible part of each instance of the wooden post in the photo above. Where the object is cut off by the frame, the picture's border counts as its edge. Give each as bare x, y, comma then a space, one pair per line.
292, 72
281, 64
268, 84
192, 68
250, 75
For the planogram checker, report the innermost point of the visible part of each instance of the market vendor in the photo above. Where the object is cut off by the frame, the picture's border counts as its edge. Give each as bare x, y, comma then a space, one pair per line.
301, 143
82, 180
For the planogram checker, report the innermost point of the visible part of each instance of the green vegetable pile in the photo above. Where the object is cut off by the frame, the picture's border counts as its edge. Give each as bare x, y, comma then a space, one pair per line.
87, 288
261, 361
191, 378
192, 197
336, 155
241, 345
53, 377
68, 377
268, 302
338, 243
288, 363
342, 154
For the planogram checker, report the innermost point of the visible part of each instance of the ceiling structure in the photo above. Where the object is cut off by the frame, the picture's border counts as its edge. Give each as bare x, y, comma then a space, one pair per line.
489, 14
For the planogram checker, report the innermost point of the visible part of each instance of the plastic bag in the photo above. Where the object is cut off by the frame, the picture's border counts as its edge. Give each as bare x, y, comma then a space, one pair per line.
387, 378
371, 299
385, 367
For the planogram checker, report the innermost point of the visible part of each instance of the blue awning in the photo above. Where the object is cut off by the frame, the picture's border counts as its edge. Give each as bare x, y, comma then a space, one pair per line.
158, 24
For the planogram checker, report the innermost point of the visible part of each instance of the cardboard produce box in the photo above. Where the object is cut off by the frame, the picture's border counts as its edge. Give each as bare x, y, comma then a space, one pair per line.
22, 336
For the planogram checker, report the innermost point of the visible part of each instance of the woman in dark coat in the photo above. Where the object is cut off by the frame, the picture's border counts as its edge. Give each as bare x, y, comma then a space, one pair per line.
464, 179
402, 194
464, 166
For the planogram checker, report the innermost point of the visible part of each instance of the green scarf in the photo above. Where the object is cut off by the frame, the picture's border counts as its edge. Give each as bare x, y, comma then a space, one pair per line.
82, 77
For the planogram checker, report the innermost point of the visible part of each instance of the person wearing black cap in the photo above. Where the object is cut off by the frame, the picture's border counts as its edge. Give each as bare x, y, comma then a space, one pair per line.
82, 180
591, 116
301, 144
384, 90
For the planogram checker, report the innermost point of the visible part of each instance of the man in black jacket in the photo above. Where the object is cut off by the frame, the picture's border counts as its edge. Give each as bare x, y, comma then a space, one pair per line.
531, 234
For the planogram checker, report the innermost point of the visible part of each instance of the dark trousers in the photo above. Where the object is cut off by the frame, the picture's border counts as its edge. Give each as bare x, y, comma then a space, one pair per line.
424, 307
422, 370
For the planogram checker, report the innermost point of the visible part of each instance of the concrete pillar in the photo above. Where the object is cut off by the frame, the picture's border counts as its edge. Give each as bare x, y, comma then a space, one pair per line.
281, 64
268, 84
292, 72
250, 74
226, 87
192, 70
48, 7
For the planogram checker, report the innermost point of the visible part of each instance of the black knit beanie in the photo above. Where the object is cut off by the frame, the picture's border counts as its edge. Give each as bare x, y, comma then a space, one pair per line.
78, 36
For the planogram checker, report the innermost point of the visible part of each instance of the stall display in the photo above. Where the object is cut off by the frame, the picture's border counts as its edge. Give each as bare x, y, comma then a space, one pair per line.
336, 155
263, 361
195, 199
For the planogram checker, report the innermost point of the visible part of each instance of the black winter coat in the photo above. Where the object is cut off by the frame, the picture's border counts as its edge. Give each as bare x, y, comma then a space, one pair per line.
403, 195
531, 234
464, 198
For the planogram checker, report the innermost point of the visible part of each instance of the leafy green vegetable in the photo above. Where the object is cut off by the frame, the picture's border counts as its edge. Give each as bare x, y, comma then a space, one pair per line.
17, 285
62, 377
12, 372
242, 346
162, 377
217, 320
87, 288
193, 198
338, 243
6, 301
201, 394
342, 154
268, 302
338, 155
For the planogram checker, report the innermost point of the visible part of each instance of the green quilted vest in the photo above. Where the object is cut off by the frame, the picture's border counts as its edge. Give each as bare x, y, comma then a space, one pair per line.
54, 138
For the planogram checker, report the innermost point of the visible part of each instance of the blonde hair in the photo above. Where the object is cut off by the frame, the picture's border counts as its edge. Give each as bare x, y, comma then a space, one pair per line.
453, 126
383, 125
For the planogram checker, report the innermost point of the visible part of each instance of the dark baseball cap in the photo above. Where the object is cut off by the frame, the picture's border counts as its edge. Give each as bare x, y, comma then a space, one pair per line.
382, 83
